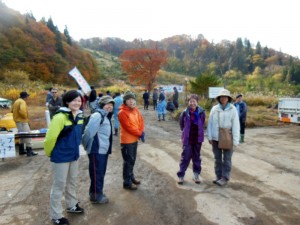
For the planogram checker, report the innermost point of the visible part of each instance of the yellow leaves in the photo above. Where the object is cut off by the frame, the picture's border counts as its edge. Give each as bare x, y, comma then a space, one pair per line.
278, 77
14, 77
257, 59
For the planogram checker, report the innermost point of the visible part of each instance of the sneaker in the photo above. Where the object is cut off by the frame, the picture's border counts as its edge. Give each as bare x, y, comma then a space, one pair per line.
222, 182
216, 180
61, 221
131, 187
75, 209
102, 200
196, 178
180, 180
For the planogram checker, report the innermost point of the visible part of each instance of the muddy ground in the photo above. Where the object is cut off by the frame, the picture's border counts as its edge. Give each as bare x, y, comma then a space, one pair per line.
264, 187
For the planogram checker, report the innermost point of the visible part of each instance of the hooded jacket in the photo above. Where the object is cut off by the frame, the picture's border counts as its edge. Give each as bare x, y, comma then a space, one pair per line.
97, 134
64, 136
131, 124
229, 118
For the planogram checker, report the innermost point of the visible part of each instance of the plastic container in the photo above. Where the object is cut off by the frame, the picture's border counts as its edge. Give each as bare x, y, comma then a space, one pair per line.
8, 122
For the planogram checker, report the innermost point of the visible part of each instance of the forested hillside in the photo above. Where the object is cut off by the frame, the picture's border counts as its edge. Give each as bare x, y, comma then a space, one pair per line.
237, 64
39, 49
41, 52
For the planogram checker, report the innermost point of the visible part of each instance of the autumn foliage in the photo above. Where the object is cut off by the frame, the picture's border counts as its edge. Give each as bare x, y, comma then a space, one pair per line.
46, 54
142, 65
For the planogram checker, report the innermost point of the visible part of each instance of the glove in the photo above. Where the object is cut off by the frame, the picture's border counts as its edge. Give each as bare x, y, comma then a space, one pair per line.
142, 137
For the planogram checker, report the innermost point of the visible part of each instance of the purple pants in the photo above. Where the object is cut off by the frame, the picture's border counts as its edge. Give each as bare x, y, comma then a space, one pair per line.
190, 152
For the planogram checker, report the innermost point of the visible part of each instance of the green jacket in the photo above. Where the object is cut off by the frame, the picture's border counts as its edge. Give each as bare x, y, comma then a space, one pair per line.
64, 136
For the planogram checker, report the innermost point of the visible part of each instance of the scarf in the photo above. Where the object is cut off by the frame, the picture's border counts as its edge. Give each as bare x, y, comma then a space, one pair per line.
194, 116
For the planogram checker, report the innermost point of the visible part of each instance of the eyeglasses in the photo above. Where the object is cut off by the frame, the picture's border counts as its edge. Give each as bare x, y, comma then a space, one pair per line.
54, 92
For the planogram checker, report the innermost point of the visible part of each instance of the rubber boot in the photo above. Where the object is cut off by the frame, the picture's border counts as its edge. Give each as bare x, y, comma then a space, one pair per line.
30, 152
164, 117
116, 132
242, 138
159, 117
22, 149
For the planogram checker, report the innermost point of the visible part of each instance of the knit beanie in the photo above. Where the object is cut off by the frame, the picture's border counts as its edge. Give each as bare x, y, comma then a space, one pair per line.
128, 95
105, 100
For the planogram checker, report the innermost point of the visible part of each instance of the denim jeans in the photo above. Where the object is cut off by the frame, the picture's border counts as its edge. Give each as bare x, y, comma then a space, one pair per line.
222, 161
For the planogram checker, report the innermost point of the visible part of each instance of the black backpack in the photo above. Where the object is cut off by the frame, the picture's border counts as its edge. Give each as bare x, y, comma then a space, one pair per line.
87, 119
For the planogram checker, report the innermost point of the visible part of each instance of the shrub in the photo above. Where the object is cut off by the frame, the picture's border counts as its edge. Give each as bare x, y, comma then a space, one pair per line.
260, 100
14, 77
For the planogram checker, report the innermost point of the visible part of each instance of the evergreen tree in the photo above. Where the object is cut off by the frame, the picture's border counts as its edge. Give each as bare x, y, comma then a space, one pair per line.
51, 26
258, 48
59, 44
203, 82
67, 35
248, 48
265, 53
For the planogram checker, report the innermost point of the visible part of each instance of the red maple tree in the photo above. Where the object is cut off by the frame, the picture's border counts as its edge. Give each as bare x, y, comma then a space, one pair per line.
142, 65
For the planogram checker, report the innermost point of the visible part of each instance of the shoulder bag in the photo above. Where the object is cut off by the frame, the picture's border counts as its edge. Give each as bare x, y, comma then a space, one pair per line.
225, 137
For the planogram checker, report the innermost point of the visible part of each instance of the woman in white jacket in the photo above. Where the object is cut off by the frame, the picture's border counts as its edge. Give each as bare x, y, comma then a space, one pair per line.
223, 115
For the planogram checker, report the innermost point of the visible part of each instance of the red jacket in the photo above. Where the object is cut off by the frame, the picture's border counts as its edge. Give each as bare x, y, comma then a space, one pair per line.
131, 124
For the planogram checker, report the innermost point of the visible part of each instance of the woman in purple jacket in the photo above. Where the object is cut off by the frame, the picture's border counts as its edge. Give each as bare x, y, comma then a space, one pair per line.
192, 122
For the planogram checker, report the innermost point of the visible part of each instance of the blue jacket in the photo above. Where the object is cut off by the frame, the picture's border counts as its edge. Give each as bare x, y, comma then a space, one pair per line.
185, 125
118, 102
64, 136
242, 110
97, 137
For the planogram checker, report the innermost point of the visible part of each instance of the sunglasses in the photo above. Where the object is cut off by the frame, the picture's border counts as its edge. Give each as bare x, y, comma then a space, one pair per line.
53, 92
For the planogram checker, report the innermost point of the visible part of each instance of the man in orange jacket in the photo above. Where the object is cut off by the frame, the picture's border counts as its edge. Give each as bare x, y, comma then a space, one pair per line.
131, 130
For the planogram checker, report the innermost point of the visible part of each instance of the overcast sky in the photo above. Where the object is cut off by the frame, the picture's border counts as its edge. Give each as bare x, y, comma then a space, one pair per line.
276, 24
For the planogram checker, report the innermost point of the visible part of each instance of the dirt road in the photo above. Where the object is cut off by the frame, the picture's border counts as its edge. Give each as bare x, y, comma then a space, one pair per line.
264, 188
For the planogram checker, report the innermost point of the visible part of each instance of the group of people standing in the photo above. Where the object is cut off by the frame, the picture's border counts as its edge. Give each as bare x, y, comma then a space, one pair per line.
66, 133
192, 123
160, 102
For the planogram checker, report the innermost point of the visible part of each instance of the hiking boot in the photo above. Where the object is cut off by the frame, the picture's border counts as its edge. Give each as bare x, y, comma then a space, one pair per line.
29, 152
131, 187
196, 178
136, 182
242, 138
102, 200
75, 209
22, 149
222, 182
180, 180
61, 221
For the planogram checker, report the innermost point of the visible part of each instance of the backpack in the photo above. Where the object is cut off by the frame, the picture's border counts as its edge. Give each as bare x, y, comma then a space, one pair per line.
87, 119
